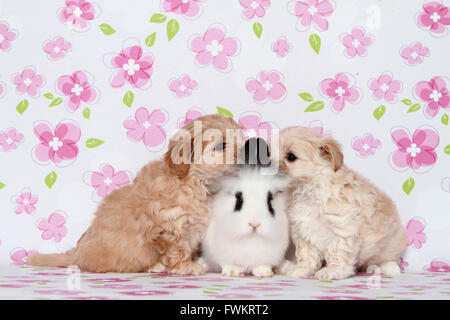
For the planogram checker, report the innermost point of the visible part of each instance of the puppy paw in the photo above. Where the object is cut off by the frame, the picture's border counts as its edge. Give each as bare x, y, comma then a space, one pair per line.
334, 273
262, 271
157, 268
232, 270
189, 267
299, 271
390, 268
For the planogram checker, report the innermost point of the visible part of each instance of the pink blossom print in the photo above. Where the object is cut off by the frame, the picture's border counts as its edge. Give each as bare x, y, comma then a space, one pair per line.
58, 146
356, 42
106, 180
366, 145
268, 85
435, 95
133, 66
57, 48
340, 90
19, 256
281, 47
385, 87
417, 152
435, 18
25, 202
77, 87
403, 264
53, 227
311, 12
318, 127
438, 265
414, 54
414, 229
28, 82
2, 89
187, 8
10, 139
253, 127
214, 48
191, 114
77, 14
254, 8
147, 127
183, 86
7, 35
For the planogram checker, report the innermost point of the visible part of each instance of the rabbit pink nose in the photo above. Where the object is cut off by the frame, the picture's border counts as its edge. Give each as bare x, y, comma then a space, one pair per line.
254, 225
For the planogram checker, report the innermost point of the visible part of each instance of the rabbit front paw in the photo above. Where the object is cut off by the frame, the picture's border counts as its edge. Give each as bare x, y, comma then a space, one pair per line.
262, 271
232, 270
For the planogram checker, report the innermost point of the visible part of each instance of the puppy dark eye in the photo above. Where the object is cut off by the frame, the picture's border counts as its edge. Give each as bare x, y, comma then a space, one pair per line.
291, 157
239, 201
269, 203
220, 146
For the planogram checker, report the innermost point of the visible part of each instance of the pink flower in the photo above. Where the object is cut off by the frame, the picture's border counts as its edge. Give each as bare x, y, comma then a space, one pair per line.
254, 7
340, 89
414, 53
434, 93
403, 264
418, 152
19, 255
356, 42
309, 11
191, 114
133, 66
147, 127
182, 87
365, 145
53, 227
438, 265
58, 146
317, 126
26, 201
78, 88
414, 229
267, 85
187, 8
213, 47
77, 14
2, 89
385, 87
253, 126
28, 82
435, 17
281, 47
57, 48
106, 180
10, 139
6, 36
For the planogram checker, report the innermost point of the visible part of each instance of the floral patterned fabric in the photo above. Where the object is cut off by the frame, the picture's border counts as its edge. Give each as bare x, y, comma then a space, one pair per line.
90, 91
56, 283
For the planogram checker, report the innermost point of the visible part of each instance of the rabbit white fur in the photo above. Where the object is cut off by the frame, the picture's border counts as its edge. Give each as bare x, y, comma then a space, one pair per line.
232, 243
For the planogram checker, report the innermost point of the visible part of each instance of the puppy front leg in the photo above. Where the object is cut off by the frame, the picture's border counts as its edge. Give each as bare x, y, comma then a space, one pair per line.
340, 259
178, 259
307, 258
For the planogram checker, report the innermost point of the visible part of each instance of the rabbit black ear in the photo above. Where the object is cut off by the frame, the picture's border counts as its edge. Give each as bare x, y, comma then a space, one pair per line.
256, 152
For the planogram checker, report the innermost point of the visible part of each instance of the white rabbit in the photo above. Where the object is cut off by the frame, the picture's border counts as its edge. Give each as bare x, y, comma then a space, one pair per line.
249, 230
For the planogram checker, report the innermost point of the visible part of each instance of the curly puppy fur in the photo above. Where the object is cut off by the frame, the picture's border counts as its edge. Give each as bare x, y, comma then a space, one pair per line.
157, 222
336, 215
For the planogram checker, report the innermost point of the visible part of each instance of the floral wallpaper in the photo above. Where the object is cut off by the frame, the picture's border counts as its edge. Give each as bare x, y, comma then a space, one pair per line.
90, 91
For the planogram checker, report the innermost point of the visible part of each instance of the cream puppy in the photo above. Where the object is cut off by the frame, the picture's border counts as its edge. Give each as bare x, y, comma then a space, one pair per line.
339, 221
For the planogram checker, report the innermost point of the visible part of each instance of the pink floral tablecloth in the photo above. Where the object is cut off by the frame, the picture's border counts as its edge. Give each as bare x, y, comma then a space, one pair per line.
57, 283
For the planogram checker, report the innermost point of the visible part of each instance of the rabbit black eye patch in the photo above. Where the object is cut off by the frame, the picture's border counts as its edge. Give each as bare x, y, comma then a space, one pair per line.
239, 201
269, 203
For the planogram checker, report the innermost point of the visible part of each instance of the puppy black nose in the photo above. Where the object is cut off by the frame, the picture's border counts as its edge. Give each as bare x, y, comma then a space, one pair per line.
256, 152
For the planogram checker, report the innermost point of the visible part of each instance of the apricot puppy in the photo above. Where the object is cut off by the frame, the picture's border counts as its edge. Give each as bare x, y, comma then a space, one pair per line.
339, 221
157, 222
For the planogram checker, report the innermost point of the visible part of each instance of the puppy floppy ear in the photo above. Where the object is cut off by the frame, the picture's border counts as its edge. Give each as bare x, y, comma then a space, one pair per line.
331, 150
179, 155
